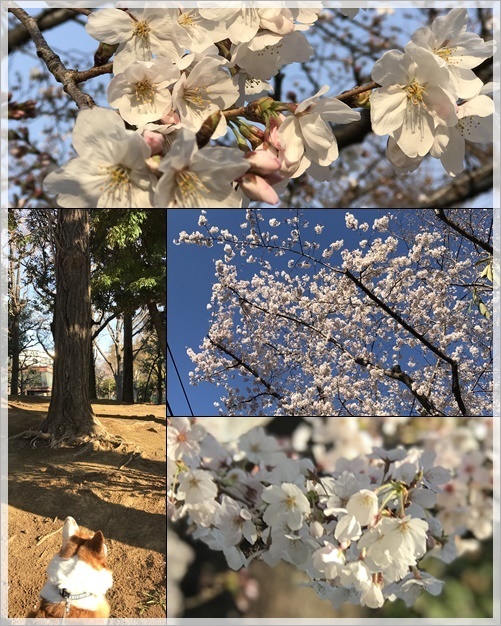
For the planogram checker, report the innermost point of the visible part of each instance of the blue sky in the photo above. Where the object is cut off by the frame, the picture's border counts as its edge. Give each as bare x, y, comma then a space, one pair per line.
190, 275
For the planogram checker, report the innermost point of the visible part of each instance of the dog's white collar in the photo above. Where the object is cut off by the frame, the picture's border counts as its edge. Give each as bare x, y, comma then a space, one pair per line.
52, 593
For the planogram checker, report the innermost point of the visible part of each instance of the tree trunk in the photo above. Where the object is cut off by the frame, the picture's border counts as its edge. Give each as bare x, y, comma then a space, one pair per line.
128, 370
92, 376
14, 314
160, 383
159, 325
14, 376
70, 413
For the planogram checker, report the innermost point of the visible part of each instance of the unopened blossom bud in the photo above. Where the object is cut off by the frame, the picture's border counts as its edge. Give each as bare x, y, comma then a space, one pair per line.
207, 129
364, 100
253, 134
155, 141
262, 162
257, 188
316, 529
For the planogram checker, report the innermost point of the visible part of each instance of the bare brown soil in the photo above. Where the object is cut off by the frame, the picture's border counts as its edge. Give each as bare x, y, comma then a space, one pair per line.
127, 504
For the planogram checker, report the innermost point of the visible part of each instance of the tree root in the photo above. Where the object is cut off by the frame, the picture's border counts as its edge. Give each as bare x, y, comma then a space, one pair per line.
100, 441
26, 434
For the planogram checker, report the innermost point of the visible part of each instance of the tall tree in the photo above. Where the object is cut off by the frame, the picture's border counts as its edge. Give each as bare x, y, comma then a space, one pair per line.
70, 412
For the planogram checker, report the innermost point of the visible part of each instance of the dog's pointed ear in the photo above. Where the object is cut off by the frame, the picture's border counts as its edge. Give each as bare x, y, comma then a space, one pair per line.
97, 545
70, 528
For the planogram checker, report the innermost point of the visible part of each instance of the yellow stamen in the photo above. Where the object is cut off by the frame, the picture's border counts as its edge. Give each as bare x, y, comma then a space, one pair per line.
142, 30
118, 182
415, 93
196, 97
189, 189
145, 91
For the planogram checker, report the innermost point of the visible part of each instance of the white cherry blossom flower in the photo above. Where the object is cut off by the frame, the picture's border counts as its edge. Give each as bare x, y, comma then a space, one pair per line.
348, 529
307, 131
192, 30
412, 99
183, 438
329, 560
241, 23
363, 506
259, 448
140, 33
141, 92
196, 178
110, 170
196, 486
454, 48
287, 503
475, 124
236, 522
268, 52
205, 90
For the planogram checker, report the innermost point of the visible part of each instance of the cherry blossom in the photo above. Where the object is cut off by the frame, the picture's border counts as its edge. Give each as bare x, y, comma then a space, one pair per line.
307, 132
367, 562
110, 170
457, 50
206, 70
139, 32
194, 178
412, 100
141, 92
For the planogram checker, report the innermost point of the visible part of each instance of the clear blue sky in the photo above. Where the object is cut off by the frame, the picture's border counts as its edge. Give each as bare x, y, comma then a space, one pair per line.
190, 275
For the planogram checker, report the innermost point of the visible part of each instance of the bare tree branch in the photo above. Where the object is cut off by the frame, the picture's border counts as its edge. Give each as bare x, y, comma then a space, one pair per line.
54, 64
440, 213
46, 20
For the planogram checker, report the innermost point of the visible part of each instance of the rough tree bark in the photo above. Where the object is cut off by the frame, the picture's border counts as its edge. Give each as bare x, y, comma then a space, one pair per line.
70, 412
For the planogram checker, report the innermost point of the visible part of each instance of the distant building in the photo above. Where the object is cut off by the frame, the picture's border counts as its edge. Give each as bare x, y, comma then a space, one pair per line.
40, 377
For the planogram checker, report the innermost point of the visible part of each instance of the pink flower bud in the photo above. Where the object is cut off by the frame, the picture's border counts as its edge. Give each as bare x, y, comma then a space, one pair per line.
155, 141
262, 162
256, 188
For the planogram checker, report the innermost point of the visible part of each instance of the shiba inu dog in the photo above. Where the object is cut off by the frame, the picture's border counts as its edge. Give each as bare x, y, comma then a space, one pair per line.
78, 577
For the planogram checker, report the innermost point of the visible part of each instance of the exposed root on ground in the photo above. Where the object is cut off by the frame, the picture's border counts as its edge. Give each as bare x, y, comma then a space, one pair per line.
98, 441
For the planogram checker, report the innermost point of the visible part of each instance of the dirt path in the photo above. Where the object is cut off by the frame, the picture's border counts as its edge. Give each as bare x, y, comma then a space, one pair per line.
128, 505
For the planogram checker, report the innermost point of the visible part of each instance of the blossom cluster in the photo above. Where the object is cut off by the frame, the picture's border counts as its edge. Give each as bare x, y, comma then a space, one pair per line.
430, 99
308, 340
359, 531
185, 77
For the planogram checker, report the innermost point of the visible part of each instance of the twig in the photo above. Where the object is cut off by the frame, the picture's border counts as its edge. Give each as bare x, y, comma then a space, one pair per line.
54, 64
133, 456
44, 537
347, 95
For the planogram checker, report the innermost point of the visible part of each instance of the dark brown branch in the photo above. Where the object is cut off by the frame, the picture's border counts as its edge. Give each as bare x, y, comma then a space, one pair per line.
246, 366
456, 389
465, 186
52, 60
440, 213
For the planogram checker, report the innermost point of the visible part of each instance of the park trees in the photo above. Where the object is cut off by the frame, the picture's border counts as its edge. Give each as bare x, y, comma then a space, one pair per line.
304, 136
133, 273
387, 326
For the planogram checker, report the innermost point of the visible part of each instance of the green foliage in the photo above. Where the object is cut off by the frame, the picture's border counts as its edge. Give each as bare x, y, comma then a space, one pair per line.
128, 249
